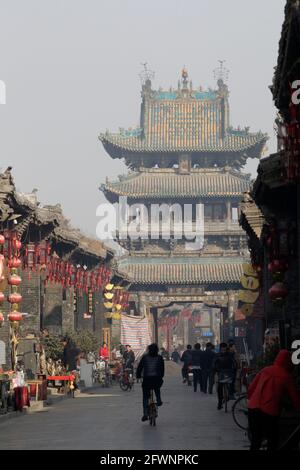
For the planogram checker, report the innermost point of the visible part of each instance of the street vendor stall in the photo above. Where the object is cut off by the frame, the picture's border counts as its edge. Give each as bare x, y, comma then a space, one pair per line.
65, 381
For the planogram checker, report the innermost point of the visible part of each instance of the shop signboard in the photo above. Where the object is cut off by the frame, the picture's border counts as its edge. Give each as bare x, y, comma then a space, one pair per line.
240, 332
207, 333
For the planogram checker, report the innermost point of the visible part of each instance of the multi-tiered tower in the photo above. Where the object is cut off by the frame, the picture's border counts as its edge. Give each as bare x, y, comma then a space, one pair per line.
185, 152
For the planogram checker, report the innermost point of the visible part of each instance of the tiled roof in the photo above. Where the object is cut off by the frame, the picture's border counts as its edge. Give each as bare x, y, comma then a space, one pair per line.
252, 215
157, 183
184, 120
164, 140
183, 270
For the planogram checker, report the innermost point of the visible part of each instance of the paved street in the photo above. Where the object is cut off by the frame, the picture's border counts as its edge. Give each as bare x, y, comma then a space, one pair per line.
111, 419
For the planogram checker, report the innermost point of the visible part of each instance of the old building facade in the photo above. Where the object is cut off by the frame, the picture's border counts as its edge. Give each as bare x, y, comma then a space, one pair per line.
271, 216
61, 272
184, 157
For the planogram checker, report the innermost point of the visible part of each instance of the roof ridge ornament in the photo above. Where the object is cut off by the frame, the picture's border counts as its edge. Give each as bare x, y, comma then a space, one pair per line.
146, 76
221, 74
184, 78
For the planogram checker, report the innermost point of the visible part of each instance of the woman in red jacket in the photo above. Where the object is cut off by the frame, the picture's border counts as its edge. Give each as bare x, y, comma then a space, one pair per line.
104, 352
265, 395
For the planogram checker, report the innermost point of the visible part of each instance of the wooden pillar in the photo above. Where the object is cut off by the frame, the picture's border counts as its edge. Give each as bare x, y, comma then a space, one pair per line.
228, 210
231, 307
185, 331
155, 326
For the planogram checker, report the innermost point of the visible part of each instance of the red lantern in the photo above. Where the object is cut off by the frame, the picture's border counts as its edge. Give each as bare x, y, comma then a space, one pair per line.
14, 263
15, 316
278, 291
14, 280
2, 239
30, 256
269, 241
2, 297
18, 245
15, 298
270, 267
279, 265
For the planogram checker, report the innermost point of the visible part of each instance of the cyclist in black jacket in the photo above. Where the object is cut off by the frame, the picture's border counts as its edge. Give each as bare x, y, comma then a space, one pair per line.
224, 365
152, 367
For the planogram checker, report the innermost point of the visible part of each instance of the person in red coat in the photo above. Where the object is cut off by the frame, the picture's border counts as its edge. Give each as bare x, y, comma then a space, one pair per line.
265, 400
104, 351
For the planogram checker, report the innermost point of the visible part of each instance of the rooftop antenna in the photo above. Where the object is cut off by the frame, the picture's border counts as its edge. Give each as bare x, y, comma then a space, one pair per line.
146, 74
221, 73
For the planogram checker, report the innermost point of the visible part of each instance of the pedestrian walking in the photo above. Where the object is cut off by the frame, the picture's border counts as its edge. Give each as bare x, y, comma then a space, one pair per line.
186, 358
175, 356
236, 372
197, 355
128, 357
208, 358
164, 354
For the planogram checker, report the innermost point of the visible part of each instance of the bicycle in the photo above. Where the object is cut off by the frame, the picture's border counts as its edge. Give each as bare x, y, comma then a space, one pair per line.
226, 381
152, 409
126, 380
240, 412
240, 406
240, 416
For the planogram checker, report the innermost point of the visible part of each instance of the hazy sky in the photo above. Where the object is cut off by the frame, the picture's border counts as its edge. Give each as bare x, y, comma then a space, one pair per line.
71, 71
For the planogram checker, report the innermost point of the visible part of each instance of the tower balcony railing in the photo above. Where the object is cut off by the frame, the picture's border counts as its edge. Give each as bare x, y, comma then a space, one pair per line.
211, 227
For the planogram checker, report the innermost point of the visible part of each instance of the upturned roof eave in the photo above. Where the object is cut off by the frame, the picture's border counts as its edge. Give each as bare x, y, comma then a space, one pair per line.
118, 150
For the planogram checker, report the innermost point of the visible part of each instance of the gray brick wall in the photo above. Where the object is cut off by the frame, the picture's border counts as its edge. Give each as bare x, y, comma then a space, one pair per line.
30, 291
99, 320
68, 320
82, 307
53, 308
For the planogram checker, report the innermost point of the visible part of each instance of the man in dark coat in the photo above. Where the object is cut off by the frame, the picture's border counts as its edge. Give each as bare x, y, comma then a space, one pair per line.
175, 356
128, 357
70, 355
152, 368
208, 359
197, 356
186, 358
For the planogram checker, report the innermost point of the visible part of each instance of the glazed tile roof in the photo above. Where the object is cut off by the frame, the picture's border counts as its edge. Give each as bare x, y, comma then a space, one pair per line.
165, 270
251, 215
184, 120
163, 140
157, 183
